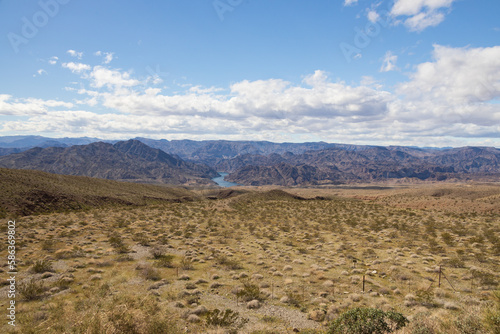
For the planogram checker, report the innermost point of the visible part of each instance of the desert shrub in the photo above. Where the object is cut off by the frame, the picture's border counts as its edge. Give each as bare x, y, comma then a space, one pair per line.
165, 261
123, 321
162, 325
157, 252
103, 290
63, 283
222, 318
31, 290
41, 266
485, 278
121, 222
447, 238
193, 299
492, 315
115, 240
186, 263
250, 292
456, 262
293, 299
48, 244
150, 273
468, 324
422, 324
426, 298
302, 250
367, 321
270, 319
124, 258
142, 239
230, 264
91, 324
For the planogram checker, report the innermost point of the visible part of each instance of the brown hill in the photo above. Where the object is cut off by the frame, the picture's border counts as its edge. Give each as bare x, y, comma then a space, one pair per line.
337, 165
127, 161
26, 192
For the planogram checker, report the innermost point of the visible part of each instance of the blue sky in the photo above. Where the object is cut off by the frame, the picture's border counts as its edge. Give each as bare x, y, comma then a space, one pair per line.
402, 72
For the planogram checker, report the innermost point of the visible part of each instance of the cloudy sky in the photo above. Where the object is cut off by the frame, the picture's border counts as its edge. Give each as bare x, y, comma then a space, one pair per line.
404, 72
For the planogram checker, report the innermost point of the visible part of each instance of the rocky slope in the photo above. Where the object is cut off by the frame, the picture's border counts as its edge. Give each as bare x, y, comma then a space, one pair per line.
335, 165
130, 161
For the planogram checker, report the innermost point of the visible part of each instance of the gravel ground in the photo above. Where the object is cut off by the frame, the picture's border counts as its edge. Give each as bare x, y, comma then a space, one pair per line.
290, 318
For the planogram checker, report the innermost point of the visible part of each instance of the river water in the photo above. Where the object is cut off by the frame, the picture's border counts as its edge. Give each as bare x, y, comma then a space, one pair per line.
220, 181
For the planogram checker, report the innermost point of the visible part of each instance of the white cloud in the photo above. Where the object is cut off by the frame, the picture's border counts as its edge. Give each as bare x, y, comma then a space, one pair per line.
267, 99
389, 63
103, 76
413, 7
25, 107
373, 16
40, 72
350, 2
74, 53
423, 20
457, 76
421, 14
108, 56
76, 67
448, 101
53, 60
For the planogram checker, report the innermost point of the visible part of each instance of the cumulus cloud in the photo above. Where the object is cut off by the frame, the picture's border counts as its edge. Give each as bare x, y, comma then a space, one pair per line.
456, 76
108, 56
317, 96
450, 100
421, 14
53, 60
26, 107
74, 53
453, 95
40, 72
76, 67
373, 16
102, 76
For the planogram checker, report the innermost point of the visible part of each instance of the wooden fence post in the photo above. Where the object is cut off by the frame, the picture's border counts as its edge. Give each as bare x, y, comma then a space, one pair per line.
439, 284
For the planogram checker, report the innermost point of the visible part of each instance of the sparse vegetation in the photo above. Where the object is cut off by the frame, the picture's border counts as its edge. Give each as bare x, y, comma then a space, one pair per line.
31, 290
299, 262
41, 266
367, 321
226, 318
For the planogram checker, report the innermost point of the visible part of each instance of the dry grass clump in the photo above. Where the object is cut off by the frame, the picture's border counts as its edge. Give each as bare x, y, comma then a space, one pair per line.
280, 263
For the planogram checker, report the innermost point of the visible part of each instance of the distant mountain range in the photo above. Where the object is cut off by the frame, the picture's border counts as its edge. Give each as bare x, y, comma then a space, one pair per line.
24, 143
127, 160
247, 162
336, 165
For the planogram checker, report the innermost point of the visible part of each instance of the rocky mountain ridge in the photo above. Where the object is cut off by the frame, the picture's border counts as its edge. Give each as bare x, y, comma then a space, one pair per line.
131, 160
250, 162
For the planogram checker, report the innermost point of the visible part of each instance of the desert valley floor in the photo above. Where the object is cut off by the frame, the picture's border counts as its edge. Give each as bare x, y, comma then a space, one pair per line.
282, 260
